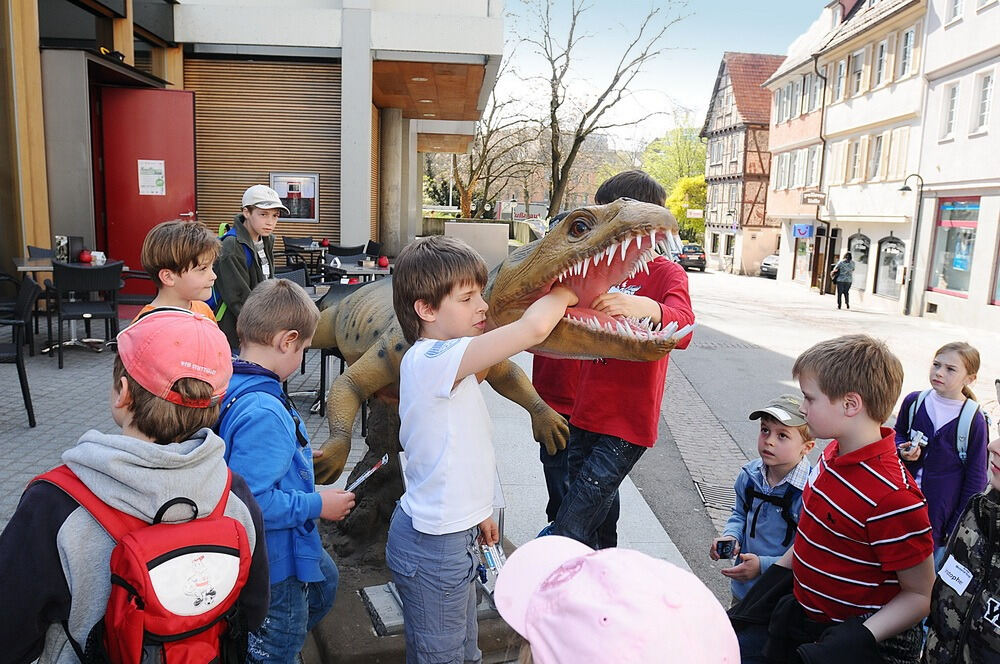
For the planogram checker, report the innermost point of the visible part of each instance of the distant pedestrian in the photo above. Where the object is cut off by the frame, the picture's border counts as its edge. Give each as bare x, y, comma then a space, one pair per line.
843, 275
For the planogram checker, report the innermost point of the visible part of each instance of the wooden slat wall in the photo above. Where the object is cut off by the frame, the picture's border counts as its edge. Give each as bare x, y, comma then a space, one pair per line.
376, 151
253, 118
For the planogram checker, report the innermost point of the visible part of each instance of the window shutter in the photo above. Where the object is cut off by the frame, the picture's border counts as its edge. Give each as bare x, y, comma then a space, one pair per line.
901, 138
837, 162
890, 58
893, 154
883, 159
863, 158
918, 44
867, 70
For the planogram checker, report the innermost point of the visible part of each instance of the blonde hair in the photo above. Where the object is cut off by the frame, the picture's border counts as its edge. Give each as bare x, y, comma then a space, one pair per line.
855, 363
428, 269
803, 429
970, 358
177, 246
273, 306
161, 420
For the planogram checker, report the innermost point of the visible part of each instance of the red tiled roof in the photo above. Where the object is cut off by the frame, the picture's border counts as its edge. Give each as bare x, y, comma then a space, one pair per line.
748, 71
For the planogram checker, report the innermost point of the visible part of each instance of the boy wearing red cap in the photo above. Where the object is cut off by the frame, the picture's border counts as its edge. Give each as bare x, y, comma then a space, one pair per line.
171, 371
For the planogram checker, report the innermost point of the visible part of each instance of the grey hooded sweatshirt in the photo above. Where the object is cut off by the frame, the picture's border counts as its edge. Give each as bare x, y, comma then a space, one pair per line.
54, 557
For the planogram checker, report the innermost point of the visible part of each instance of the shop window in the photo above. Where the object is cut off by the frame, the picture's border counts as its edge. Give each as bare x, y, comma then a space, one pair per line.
889, 269
801, 269
715, 243
954, 242
143, 52
859, 246
730, 244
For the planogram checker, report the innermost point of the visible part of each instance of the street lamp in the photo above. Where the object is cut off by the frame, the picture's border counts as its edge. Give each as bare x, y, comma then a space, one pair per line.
915, 236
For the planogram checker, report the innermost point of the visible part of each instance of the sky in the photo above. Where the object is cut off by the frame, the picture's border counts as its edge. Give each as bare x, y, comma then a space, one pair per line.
681, 76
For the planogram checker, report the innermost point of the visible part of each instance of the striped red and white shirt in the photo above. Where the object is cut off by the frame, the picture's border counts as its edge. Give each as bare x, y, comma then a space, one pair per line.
863, 519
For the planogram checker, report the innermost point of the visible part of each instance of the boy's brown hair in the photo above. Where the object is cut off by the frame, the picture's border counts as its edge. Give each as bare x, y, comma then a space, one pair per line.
427, 269
177, 246
276, 305
635, 184
164, 421
855, 363
803, 429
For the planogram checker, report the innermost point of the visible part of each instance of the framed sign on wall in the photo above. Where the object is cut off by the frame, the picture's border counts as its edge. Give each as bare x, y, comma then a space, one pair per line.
299, 192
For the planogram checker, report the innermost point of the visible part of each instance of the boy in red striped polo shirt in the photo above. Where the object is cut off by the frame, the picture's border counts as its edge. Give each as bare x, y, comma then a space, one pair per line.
861, 565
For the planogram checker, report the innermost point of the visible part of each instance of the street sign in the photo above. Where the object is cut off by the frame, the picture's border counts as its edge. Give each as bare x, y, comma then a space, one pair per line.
695, 214
813, 198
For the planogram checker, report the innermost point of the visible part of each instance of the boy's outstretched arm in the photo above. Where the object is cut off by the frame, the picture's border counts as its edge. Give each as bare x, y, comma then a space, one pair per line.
529, 330
910, 606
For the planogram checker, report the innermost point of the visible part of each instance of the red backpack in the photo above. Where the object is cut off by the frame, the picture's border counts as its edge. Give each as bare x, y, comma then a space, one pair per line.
174, 586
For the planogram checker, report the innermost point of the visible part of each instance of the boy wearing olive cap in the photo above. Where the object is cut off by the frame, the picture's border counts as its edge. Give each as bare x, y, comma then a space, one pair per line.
768, 494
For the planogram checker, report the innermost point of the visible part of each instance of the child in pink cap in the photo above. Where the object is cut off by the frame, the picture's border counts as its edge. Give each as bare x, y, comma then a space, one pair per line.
573, 604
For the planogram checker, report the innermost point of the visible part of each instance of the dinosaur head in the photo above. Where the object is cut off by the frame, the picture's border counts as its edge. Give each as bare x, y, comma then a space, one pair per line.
591, 250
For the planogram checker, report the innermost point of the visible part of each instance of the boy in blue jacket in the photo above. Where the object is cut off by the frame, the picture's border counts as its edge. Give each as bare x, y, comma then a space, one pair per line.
267, 443
768, 494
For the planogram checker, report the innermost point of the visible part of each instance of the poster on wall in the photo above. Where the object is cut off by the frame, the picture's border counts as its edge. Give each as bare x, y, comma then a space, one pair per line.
299, 192
152, 177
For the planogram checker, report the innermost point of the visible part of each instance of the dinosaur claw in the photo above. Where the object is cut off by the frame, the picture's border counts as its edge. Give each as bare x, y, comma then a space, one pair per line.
329, 466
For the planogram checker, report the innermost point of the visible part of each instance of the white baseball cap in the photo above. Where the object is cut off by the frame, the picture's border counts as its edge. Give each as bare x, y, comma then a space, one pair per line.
263, 197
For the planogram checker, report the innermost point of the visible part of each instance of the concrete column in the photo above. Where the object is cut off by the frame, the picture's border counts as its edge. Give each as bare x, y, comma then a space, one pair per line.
411, 183
355, 122
391, 232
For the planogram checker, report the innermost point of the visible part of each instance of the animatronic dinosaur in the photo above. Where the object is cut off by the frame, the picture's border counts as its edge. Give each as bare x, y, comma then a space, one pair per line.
592, 249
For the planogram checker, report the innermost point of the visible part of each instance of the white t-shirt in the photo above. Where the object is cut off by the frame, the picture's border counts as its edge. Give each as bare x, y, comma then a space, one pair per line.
941, 410
447, 437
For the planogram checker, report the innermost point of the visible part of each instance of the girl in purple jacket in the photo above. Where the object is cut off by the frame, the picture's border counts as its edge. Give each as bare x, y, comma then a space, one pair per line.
930, 446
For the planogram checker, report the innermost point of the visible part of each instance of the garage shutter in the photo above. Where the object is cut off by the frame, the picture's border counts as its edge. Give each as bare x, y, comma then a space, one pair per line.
255, 118
376, 132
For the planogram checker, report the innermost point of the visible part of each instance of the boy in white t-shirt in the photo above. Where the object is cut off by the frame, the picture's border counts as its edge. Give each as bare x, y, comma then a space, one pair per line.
446, 435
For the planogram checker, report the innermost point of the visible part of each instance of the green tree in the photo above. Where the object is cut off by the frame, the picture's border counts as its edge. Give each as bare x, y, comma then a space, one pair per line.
689, 194
679, 154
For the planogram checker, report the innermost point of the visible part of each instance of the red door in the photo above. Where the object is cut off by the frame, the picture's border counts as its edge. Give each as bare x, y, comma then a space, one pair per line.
149, 164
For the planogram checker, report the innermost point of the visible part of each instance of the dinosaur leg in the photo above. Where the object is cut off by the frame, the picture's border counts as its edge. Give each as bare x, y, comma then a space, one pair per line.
377, 368
547, 426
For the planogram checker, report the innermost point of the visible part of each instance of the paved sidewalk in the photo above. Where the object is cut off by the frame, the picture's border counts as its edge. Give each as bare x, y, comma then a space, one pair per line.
76, 398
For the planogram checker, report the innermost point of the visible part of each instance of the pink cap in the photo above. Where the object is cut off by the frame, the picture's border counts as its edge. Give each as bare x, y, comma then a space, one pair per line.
166, 345
574, 604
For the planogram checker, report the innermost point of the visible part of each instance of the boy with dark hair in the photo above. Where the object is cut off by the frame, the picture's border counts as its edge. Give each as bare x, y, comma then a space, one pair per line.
178, 255
247, 256
861, 565
268, 443
446, 437
606, 440
171, 371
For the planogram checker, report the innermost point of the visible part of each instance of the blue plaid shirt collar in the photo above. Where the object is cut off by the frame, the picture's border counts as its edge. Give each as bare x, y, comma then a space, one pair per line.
797, 477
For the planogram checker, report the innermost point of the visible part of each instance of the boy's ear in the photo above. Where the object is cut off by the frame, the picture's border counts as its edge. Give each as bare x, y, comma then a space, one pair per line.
285, 340
853, 404
123, 397
166, 277
808, 446
425, 311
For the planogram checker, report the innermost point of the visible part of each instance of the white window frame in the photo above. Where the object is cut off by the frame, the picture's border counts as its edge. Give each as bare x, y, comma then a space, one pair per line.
781, 182
907, 42
878, 67
853, 161
949, 111
954, 11
875, 149
812, 174
981, 4
776, 113
796, 106
786, 109
840, 81
733, 148
857, 75
793, 167
733, 193
982, 104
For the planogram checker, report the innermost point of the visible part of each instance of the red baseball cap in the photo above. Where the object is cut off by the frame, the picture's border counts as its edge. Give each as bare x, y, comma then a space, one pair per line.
168, 344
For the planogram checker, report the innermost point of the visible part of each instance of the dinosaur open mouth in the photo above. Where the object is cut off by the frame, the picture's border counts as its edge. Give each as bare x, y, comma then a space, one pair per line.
594, 275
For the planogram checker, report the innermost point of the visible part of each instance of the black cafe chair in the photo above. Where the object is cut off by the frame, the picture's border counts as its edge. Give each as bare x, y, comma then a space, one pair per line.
19, 320
48, 293
73, 281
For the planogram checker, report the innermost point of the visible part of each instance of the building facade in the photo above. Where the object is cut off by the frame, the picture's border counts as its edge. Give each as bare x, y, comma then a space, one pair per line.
331, 102
738, 233
957, 275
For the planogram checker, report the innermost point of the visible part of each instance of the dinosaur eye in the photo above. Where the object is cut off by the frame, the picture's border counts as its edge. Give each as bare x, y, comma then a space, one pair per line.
579, 228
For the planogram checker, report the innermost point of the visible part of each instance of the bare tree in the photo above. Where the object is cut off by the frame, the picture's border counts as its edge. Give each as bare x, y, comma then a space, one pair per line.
570, 121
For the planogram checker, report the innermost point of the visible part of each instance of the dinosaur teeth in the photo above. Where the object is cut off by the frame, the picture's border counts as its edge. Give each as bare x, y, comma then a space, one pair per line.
586, 264
597, 259
611, 254
683, 332
638, 242
652, 238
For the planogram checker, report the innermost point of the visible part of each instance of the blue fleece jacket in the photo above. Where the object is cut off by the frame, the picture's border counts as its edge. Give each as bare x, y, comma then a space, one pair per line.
947, 484
769, 534
261, 445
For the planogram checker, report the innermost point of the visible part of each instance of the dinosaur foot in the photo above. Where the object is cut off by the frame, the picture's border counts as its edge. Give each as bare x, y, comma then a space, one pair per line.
330, 464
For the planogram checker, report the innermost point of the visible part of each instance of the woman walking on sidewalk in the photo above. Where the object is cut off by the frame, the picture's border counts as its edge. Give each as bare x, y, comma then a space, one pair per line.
842, 275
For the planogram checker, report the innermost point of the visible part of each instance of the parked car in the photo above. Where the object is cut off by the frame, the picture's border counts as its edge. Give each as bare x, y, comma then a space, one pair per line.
769, 266
692, 256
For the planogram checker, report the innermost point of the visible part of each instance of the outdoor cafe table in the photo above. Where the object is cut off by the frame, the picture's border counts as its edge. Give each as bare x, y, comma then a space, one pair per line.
367, 273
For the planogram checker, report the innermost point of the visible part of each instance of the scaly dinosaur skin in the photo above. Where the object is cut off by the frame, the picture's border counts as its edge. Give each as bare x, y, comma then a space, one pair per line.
592, 249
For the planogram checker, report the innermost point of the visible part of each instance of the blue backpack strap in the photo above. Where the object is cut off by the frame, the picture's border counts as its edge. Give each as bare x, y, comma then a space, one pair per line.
277, 394
965, 418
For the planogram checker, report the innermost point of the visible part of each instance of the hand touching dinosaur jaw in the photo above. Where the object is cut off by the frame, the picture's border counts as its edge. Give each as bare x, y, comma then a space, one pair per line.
591, 250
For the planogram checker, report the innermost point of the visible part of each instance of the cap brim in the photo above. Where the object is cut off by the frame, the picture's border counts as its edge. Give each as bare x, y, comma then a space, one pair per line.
780, 415
526, 569
267, 205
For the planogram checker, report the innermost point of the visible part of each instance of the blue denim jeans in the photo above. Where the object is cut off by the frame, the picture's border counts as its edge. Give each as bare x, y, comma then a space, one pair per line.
598, 464
556, 470
435, 575
295, 609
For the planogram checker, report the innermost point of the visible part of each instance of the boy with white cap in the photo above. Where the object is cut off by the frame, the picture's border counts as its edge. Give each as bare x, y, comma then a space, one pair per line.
768, 494
169, 376
247, 256
573, 604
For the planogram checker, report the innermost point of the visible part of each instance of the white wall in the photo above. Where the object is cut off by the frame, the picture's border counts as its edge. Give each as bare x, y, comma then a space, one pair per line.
310, 23
899, 99
437, 33
958, 40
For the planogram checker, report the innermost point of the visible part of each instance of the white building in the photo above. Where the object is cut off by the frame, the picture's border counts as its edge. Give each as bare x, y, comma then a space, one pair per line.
957, 268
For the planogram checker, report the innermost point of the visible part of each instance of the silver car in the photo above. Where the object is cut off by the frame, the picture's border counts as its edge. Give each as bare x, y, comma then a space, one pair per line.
769, 266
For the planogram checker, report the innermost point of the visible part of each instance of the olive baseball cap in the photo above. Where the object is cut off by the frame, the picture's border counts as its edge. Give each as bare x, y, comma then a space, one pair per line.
785, 409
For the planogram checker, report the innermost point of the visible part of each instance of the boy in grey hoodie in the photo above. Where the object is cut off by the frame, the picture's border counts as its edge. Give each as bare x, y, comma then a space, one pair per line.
171, 372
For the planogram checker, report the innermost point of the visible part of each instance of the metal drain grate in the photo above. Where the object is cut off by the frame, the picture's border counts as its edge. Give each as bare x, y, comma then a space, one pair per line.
713, 495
